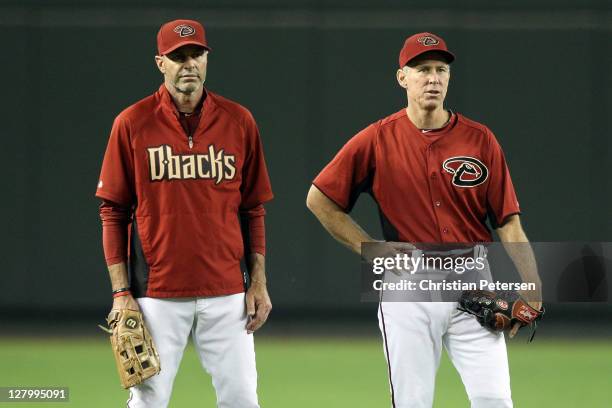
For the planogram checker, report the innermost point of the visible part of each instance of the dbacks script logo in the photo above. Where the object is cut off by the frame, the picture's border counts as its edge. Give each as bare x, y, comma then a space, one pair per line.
214, 165
467, 171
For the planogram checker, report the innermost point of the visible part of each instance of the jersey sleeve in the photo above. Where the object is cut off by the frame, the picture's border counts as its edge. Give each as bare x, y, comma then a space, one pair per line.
116, 182
351, 171
255, 188
501, 197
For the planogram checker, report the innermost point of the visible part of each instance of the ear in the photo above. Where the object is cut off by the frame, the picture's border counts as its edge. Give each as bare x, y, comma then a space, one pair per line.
401, 78
159, 61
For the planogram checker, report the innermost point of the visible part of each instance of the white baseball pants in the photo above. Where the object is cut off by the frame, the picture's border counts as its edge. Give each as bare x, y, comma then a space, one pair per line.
218, 328
414, 333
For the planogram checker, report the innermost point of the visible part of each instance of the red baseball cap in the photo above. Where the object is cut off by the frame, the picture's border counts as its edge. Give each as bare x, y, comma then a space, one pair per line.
421, 43
175, 34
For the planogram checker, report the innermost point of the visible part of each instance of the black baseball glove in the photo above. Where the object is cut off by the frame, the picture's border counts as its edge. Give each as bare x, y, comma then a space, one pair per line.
499, 311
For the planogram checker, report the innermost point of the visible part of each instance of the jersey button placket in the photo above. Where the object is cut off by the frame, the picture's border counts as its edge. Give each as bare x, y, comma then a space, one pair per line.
434, 188
433, 178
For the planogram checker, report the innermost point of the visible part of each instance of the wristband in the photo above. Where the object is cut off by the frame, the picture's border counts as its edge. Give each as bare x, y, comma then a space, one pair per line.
121, 290
122, 293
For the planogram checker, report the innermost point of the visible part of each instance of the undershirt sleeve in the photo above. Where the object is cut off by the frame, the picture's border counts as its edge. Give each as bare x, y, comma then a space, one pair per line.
254, 230
115, 220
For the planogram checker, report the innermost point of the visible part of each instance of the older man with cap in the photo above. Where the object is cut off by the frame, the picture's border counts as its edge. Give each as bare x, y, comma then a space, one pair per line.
184, 172
436, 177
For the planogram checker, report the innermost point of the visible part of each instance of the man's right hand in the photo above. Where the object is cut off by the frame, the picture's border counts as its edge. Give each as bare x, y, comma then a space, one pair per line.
389, 249
125, 302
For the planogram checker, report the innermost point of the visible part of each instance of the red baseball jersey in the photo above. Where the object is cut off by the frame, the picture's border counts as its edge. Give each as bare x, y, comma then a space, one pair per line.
186, 193
434, 187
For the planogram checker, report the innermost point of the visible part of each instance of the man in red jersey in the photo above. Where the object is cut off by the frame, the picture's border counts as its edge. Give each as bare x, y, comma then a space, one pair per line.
435, 176
184, 169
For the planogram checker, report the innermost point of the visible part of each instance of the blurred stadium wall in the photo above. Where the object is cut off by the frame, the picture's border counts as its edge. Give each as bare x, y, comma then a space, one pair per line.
313, 73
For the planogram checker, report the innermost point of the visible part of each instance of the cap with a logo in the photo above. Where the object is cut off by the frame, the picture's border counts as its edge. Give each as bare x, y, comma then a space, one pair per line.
421, 43
177, 33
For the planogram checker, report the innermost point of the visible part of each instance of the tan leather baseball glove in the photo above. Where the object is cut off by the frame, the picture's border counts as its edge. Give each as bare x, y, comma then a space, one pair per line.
135, 353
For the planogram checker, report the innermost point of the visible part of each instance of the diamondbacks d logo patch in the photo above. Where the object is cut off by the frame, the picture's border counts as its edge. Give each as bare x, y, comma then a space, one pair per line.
184, 30
467, 171
428, 40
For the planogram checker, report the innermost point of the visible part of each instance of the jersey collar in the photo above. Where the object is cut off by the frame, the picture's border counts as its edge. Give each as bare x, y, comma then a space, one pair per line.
434, 133
168, 106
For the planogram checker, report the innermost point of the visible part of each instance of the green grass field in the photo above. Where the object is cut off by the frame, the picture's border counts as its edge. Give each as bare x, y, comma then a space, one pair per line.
307, 373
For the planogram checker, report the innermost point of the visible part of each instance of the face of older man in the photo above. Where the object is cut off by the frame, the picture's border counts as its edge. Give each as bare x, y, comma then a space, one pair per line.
184, 69
426, 81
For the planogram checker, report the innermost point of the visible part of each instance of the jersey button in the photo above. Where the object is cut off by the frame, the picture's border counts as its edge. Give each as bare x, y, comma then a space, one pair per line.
445, 230
433, 176
438, 203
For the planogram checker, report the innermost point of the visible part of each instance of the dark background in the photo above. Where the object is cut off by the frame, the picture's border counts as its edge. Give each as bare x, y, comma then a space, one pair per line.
313, 73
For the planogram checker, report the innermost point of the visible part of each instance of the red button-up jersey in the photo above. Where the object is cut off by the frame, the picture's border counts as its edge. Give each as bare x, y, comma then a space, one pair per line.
186, 193
434, 187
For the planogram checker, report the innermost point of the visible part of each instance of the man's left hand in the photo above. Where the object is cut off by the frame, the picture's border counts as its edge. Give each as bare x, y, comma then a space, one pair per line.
517, 326
258, 305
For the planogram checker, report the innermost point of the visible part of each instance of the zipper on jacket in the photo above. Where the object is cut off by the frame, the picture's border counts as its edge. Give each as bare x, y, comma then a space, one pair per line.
190, 134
